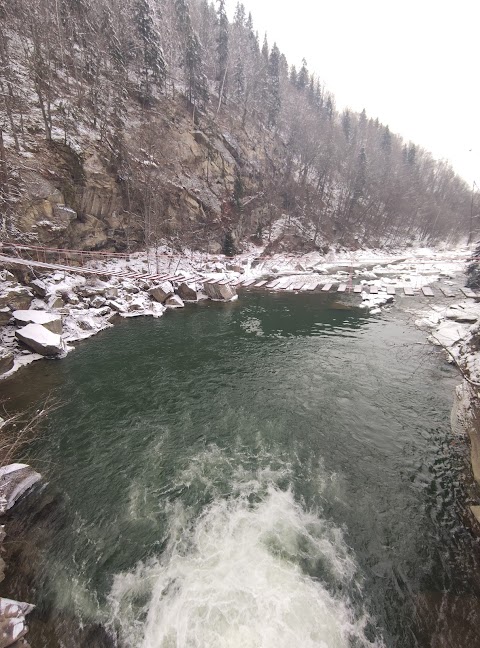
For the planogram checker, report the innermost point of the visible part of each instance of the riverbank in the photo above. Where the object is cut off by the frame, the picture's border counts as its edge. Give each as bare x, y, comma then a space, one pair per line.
73, 307
456, 329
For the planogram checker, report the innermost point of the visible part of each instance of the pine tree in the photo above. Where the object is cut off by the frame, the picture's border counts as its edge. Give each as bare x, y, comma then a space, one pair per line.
153, 62
239, 17
228, 245
222, 50
273, 86
473, 270
303, 76
386, 142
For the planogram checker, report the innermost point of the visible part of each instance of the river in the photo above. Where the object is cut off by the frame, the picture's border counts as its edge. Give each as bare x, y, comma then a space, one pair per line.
268, 473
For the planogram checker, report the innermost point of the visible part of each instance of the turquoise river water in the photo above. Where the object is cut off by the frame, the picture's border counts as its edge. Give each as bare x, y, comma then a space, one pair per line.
270, 473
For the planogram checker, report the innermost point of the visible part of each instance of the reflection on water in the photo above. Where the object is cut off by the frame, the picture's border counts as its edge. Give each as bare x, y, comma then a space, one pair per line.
264, 473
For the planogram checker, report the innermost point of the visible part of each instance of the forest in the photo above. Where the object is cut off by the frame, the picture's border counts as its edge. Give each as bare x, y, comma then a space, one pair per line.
163, 119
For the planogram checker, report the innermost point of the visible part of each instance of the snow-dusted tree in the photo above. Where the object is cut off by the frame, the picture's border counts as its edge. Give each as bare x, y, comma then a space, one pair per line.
222, 51
153, 66
274, 100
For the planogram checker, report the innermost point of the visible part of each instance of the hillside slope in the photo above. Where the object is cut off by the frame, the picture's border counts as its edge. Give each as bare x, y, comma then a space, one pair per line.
124, 122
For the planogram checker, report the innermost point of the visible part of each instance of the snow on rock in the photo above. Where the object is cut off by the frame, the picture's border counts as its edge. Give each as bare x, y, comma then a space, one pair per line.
12, 621
15, 480
39, 287
463, 313
219, 292
161, 292
50, 321
41, 340
174, 302
187, 292
7, 360
16, 297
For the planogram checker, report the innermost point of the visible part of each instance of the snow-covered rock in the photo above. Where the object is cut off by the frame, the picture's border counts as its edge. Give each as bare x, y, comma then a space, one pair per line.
16, 298
98, 302
50, 321
187, 292
220, 292
461, 313
15, 480
12, 621
174, 302
161, 292
117, 306
39, 287
6, 360
41, 340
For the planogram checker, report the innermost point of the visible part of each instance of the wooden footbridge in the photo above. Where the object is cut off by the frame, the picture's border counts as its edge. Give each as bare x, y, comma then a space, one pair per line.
75, 261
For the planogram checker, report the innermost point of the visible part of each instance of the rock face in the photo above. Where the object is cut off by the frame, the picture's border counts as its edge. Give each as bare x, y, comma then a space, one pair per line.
50, 321
17, 298
38, 338
6, 361
15, 480
174, 302
187, 292
12, 621
220, 292
161, 292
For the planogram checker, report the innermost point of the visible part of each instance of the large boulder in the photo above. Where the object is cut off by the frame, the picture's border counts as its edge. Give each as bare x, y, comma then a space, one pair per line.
187, 292
6, 361
220, 292
15, 480
50, 321
41, 340
12, 622
161, 292
16, 298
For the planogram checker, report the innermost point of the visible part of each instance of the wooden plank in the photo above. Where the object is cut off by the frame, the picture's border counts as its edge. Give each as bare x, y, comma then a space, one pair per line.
326, 287
287, 286
358, 289
342, 288
260, 284
313, 286
273, 283
298, 285
391, 290
447, 292
408, 291
373, 290
468, 292
427, 291
248, 283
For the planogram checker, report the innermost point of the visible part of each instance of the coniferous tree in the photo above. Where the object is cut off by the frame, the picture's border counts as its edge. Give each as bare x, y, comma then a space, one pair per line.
154, 69
222, 51
273, 86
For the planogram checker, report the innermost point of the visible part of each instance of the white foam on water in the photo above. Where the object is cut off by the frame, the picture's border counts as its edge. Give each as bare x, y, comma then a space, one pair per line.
236, 576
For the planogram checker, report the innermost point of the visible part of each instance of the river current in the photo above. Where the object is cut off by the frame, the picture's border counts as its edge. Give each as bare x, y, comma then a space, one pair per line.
269, 473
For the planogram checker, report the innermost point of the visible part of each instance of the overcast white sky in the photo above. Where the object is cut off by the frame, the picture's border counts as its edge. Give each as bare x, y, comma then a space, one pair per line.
413, 64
